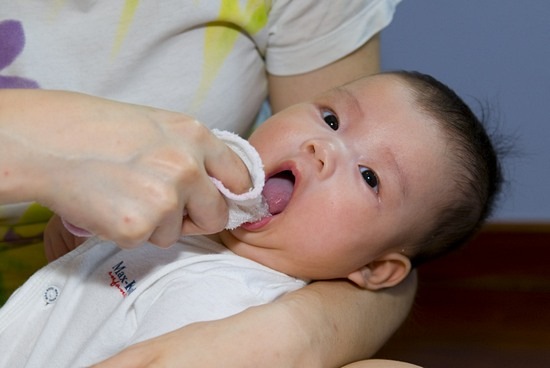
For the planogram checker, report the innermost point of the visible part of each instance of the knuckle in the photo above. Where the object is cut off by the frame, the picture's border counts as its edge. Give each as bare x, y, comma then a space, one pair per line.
158, 195
189, 171
131, 231
190, 128
166, 202
197, 131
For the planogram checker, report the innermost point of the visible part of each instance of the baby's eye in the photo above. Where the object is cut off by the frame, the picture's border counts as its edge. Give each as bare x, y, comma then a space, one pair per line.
370, 177
331, 119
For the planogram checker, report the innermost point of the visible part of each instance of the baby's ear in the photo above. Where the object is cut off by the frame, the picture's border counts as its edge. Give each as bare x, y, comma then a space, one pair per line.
386, 271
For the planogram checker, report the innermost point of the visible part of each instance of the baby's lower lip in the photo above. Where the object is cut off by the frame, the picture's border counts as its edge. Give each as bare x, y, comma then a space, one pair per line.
251, 226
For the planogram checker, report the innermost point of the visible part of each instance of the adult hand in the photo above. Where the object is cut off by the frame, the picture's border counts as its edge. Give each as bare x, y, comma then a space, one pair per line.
124, 172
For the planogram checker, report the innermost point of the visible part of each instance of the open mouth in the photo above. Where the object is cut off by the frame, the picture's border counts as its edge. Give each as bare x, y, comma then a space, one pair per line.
278, 190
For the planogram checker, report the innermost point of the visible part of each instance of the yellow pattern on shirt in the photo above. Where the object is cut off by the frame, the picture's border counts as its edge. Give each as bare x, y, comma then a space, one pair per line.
221, 35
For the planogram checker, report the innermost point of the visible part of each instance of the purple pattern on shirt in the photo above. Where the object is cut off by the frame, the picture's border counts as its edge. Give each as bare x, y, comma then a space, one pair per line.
12, 42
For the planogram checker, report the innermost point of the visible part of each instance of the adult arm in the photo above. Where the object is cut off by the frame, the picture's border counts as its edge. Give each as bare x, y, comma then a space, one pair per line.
127, 173
299, 330
288, 90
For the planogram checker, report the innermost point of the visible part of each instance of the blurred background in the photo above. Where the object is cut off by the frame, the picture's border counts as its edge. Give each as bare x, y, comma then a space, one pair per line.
487, 305
495, 52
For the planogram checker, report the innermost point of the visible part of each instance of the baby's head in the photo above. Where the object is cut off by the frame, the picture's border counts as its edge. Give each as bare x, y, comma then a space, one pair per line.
477, 176
368, 179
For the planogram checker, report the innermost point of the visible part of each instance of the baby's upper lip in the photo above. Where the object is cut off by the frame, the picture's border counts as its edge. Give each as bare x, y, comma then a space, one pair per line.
286, 166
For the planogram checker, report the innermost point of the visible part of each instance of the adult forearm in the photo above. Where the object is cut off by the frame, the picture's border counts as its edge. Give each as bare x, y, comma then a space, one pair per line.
346, 324
322, 325
17, 184
285, 91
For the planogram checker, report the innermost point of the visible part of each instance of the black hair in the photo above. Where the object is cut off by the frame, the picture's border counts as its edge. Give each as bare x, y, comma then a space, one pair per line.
477, 174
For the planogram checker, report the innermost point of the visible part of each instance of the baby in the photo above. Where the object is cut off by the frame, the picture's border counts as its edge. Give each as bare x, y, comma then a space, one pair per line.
364, 182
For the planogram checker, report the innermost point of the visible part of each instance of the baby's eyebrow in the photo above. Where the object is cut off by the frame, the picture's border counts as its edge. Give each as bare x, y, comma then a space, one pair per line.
351, 103
399, 174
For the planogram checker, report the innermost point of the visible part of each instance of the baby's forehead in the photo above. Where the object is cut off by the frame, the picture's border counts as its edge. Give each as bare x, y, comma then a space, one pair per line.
390, 87
385, 78
356, 88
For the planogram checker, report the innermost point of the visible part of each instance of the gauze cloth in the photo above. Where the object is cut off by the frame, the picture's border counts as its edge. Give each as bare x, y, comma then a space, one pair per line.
246, 207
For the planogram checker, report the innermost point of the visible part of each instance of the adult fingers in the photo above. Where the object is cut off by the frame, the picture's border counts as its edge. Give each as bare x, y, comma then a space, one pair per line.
207, 211
226, 166
169, 231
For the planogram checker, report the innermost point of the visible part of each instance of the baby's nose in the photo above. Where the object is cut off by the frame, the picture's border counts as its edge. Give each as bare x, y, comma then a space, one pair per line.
323, 153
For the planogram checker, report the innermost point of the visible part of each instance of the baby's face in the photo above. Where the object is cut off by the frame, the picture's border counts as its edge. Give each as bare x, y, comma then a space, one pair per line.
351, 175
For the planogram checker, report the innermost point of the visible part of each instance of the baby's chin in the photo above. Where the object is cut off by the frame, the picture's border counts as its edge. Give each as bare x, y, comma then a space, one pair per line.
232, 240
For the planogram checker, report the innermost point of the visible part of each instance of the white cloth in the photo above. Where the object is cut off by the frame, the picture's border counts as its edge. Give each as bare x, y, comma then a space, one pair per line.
98, 299
250, 206
207, 59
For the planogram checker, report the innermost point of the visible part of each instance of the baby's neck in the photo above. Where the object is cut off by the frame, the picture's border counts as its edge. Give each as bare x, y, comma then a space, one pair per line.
215, 237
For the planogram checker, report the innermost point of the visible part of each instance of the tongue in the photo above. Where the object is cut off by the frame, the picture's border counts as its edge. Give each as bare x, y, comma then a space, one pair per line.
277, 192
